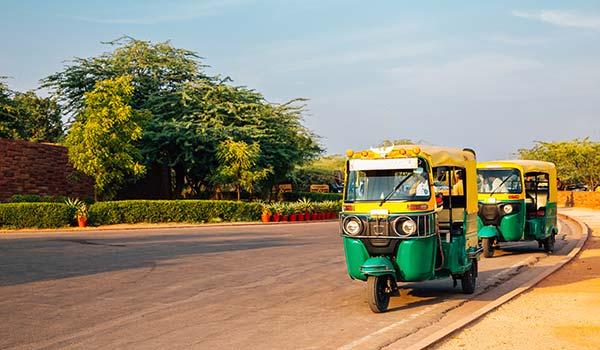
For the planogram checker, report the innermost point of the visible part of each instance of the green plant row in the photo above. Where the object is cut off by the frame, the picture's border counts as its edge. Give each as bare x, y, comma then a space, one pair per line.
35, 215
55, 215
313, 196
302, 206
193, 211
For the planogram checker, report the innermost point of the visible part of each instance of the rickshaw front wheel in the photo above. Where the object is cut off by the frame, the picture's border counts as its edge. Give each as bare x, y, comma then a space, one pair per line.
379, 290
488, 247
469, 278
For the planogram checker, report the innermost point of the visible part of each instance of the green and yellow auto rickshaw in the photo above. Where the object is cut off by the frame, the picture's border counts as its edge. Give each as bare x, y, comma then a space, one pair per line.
517, 202
396, 226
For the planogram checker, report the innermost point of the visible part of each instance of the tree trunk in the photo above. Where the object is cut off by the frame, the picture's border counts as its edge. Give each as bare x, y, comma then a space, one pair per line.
237, 188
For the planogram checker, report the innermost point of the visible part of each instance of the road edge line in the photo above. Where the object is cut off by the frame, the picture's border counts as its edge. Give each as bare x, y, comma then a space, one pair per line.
458, 325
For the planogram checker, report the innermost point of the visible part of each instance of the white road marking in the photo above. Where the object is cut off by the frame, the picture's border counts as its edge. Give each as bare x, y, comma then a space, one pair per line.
367, 338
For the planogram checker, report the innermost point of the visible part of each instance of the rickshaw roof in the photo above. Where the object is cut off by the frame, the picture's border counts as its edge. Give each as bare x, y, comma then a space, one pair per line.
442, 156
528, 166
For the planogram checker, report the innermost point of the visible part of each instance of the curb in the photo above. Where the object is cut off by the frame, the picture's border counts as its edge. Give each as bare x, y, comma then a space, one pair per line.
157, 227
458, 325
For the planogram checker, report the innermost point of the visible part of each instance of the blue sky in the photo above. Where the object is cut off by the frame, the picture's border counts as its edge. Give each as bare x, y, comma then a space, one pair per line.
493, 76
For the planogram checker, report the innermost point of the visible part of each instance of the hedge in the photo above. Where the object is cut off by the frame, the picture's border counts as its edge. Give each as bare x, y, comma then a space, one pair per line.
35, 215
193, 211
313, 196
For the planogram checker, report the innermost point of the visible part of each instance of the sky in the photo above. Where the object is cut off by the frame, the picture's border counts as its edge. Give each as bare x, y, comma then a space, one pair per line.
493, 76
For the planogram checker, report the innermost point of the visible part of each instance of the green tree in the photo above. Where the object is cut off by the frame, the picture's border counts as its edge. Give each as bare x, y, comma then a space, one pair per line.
238, 166
101, 140
576, 161
191, 112
39, 117
26, 116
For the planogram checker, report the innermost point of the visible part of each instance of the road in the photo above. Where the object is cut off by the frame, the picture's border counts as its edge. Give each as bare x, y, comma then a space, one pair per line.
227, 287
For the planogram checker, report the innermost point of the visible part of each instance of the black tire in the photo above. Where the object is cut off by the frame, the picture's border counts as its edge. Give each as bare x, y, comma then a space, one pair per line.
549, 243
488, 247
468, 281
378, 292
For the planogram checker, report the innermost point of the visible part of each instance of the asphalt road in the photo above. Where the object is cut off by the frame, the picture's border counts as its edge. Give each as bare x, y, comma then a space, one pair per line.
250, 287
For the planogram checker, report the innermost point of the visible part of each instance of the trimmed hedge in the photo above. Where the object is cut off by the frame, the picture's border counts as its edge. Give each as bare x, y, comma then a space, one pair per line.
193, 211
313, 196
35, 215
35, 198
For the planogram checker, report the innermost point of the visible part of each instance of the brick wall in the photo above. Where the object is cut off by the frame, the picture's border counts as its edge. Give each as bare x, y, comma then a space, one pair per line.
579, 199
36, 168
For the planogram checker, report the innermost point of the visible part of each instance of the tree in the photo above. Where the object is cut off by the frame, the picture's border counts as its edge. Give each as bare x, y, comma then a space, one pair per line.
26, 116
576, 160
191, 113
101, 140
238, 166
39, 117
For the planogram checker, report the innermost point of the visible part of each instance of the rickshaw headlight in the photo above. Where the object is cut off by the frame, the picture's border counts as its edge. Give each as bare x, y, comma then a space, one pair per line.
409, 227
507, 209
353, 226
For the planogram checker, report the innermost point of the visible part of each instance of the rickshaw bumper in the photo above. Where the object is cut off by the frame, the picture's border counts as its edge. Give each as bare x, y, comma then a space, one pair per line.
378, 266
488, 232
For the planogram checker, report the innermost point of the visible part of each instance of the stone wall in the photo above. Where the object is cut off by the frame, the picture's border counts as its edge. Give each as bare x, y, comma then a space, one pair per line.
579, 199
37, 168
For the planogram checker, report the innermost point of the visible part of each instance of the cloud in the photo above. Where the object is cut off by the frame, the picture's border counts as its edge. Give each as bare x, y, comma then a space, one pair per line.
173, 13
562, 18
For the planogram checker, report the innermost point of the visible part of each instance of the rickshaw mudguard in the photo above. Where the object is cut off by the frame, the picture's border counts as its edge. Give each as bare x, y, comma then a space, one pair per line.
416, 259
356, 254
512, 226
378, 266
488, 232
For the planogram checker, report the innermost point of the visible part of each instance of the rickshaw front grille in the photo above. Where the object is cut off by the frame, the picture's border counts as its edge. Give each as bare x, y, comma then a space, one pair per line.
379, 227
489, 214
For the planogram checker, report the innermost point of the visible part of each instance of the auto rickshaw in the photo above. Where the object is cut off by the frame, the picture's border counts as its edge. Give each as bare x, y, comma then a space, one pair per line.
517, 202
394, 226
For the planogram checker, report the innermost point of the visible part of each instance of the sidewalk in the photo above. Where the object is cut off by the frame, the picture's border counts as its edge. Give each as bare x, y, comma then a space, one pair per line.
561, 312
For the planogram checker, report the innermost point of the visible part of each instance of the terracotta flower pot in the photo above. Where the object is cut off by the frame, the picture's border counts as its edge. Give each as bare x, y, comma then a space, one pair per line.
276, 217
81, 221
307, 216
300, 216
284, 218
265, 217
293, 217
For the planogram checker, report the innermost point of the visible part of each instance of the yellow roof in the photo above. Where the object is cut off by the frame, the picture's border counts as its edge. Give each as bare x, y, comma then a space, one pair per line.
440, 156
526, 165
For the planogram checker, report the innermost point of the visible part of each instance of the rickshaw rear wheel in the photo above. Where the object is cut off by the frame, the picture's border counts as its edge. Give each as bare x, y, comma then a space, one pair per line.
549, 243
488, 247
379, 290
468, 280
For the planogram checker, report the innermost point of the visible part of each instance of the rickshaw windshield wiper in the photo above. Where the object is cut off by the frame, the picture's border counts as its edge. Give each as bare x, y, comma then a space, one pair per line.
395, 189
498, 187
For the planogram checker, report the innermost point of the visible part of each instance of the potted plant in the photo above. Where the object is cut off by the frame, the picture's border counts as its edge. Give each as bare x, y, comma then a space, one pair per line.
80, 210
285, 212
305, 206
277, 210
266, 213
292, 211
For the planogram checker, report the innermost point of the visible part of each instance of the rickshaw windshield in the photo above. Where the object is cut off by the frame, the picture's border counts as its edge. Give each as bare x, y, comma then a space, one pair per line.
379, 184
499, 181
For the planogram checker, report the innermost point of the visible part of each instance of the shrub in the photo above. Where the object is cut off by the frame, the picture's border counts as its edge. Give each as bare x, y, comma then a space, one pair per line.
35, 215
196, 211
313, 196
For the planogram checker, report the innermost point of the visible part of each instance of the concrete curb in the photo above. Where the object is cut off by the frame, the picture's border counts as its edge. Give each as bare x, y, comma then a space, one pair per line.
456, 326
155, 227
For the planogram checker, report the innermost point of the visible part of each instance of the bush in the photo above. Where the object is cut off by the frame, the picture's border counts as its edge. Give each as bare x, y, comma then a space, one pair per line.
313, 196
36, 198
35, 215
193, 211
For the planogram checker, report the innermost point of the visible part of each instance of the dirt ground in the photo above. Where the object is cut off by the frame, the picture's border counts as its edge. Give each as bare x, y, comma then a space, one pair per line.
561, 312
